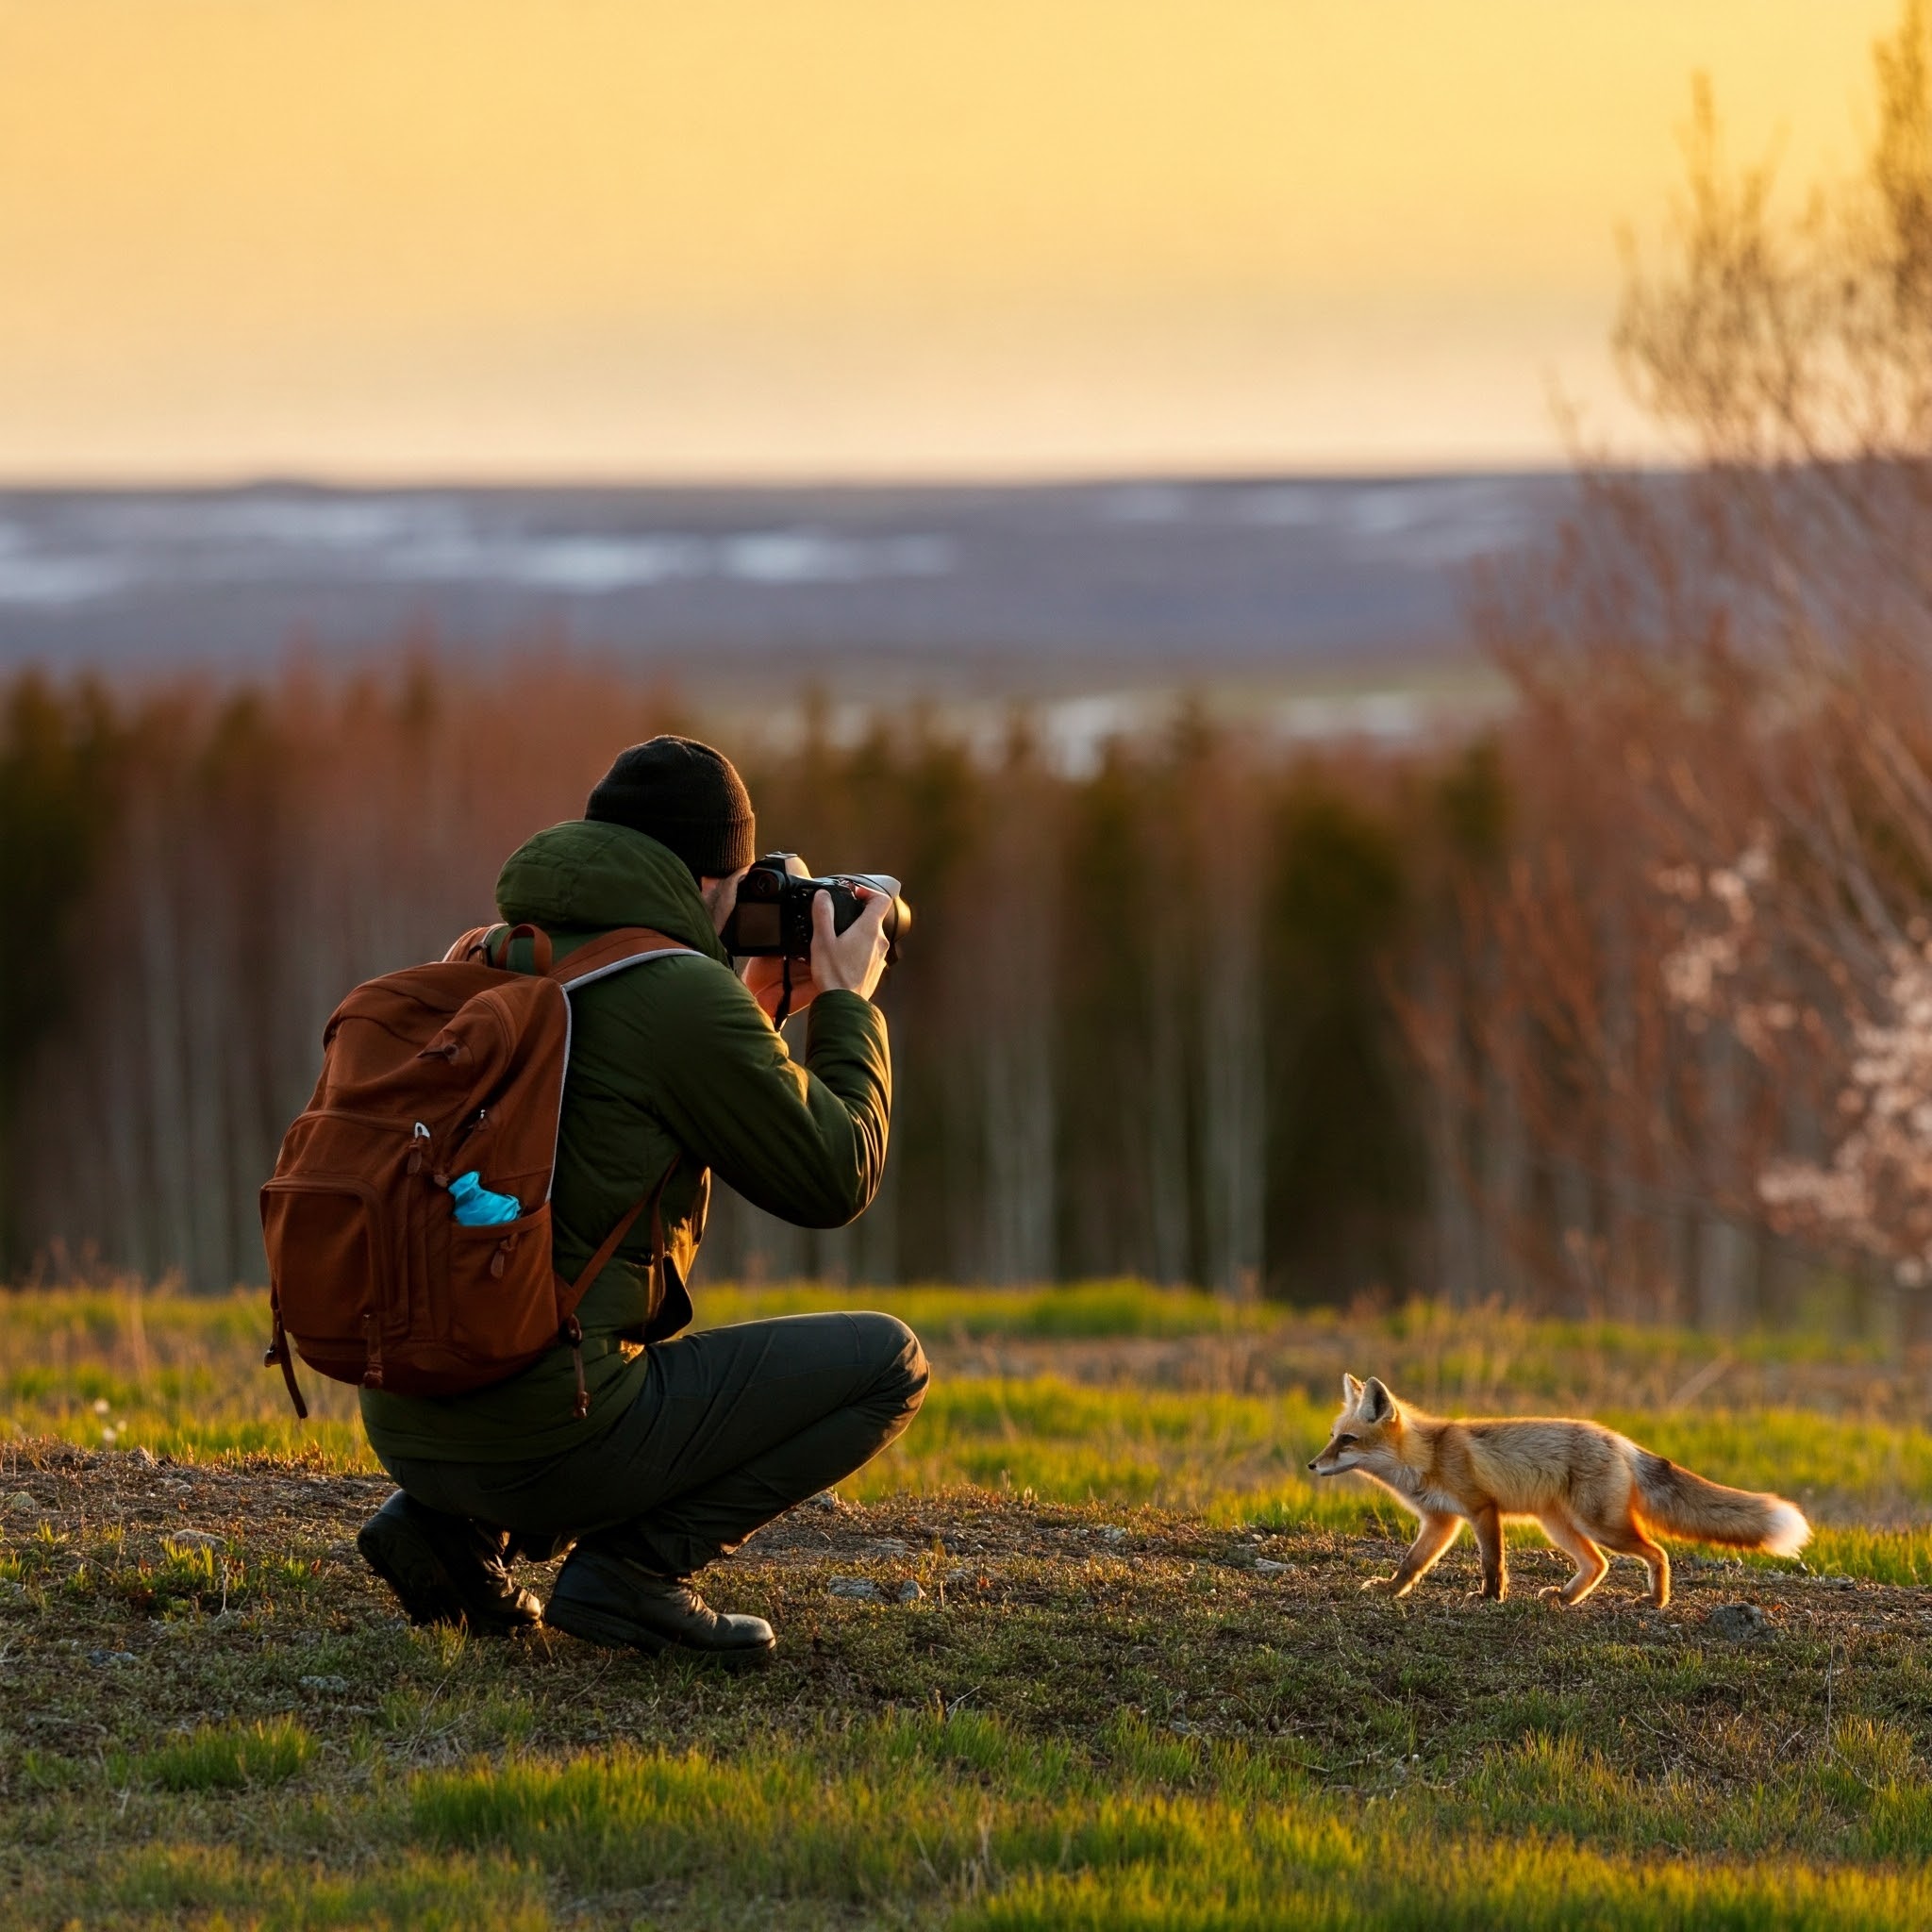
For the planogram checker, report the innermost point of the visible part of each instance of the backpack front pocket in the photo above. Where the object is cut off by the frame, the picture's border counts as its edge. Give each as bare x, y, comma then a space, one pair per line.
333, 1269
502, 1292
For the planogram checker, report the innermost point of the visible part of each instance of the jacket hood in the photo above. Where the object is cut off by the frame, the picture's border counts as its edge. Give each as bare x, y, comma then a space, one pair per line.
587, 874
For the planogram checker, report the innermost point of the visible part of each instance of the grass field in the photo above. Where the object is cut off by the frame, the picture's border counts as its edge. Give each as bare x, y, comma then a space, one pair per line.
1137, 1686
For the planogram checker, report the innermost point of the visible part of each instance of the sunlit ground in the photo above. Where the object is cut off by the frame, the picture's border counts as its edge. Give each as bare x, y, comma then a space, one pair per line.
1136, 1685
182, 1376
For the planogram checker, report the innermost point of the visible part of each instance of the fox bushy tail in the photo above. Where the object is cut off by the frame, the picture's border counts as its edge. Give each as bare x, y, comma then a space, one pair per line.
1681, 1503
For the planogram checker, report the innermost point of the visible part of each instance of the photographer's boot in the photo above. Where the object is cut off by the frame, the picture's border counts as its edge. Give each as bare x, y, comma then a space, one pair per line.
446, 1568
609, 1600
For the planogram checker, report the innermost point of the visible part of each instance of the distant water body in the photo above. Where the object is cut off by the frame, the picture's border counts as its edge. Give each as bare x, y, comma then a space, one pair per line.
968, 591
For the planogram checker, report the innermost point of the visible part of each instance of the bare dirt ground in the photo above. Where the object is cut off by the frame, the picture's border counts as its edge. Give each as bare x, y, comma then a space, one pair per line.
125, 1556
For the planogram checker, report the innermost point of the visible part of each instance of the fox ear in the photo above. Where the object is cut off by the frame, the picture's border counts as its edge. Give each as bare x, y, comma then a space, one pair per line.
1351, 1389
1376, 1400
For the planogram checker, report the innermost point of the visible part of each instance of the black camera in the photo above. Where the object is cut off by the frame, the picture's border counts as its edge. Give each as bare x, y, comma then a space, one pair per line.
772, 917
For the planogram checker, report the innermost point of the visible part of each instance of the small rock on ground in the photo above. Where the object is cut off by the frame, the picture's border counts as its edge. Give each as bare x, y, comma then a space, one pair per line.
860, 1588
1738, 1621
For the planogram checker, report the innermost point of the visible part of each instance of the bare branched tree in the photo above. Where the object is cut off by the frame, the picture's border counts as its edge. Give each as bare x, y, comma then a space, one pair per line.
1739, 655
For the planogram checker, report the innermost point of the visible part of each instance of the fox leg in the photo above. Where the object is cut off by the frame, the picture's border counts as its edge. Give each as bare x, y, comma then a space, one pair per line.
1593, 1566
1439, 1530
1628, 1539
1488, 1524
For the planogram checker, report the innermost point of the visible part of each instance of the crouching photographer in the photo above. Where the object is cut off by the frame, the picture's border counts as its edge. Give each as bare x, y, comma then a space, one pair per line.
672, 1447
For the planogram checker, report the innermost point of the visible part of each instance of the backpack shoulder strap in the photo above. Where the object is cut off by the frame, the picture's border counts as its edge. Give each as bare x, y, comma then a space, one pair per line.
484, 943
573, 1291
608, 953
570, 1294
611, 952
474, 944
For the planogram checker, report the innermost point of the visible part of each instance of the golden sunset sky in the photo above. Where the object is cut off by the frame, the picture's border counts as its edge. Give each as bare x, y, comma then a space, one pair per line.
803, 238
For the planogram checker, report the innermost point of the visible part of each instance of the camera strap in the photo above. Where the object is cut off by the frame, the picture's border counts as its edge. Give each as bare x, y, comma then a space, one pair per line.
784, 1012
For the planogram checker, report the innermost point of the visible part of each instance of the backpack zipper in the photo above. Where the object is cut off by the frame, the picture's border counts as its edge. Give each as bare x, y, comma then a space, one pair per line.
460, 1138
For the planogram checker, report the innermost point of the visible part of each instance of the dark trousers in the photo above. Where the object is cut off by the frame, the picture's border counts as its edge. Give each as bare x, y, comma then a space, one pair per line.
732, 1427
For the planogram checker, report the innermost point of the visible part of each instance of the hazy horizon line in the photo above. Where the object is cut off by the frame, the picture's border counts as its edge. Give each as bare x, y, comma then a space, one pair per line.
322, 482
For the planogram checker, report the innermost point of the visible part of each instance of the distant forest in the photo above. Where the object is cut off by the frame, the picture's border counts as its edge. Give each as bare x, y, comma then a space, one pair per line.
1142, 1027
1216, 1013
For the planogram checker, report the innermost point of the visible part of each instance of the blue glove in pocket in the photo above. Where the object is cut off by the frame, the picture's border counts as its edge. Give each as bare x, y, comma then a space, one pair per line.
477, 1206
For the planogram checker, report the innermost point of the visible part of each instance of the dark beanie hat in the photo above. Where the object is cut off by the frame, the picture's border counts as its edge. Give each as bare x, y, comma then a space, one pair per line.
685, 796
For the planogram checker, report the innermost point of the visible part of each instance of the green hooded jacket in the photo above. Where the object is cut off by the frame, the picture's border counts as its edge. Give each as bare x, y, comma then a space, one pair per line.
670, 1059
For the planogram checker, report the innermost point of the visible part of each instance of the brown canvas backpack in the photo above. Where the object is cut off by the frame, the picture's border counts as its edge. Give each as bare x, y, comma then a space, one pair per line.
429, 1074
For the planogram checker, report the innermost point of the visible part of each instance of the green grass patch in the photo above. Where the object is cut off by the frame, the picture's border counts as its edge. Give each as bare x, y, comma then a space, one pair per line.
1082, 1310
219, 1887
221, 1758
181, 1374
1873, 1556
1153, 1831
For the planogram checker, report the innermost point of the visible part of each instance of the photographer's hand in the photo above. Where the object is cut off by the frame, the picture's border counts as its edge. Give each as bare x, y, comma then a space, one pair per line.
855, 959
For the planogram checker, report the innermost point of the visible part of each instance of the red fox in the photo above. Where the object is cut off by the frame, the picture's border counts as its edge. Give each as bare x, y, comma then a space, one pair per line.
1585, 1484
